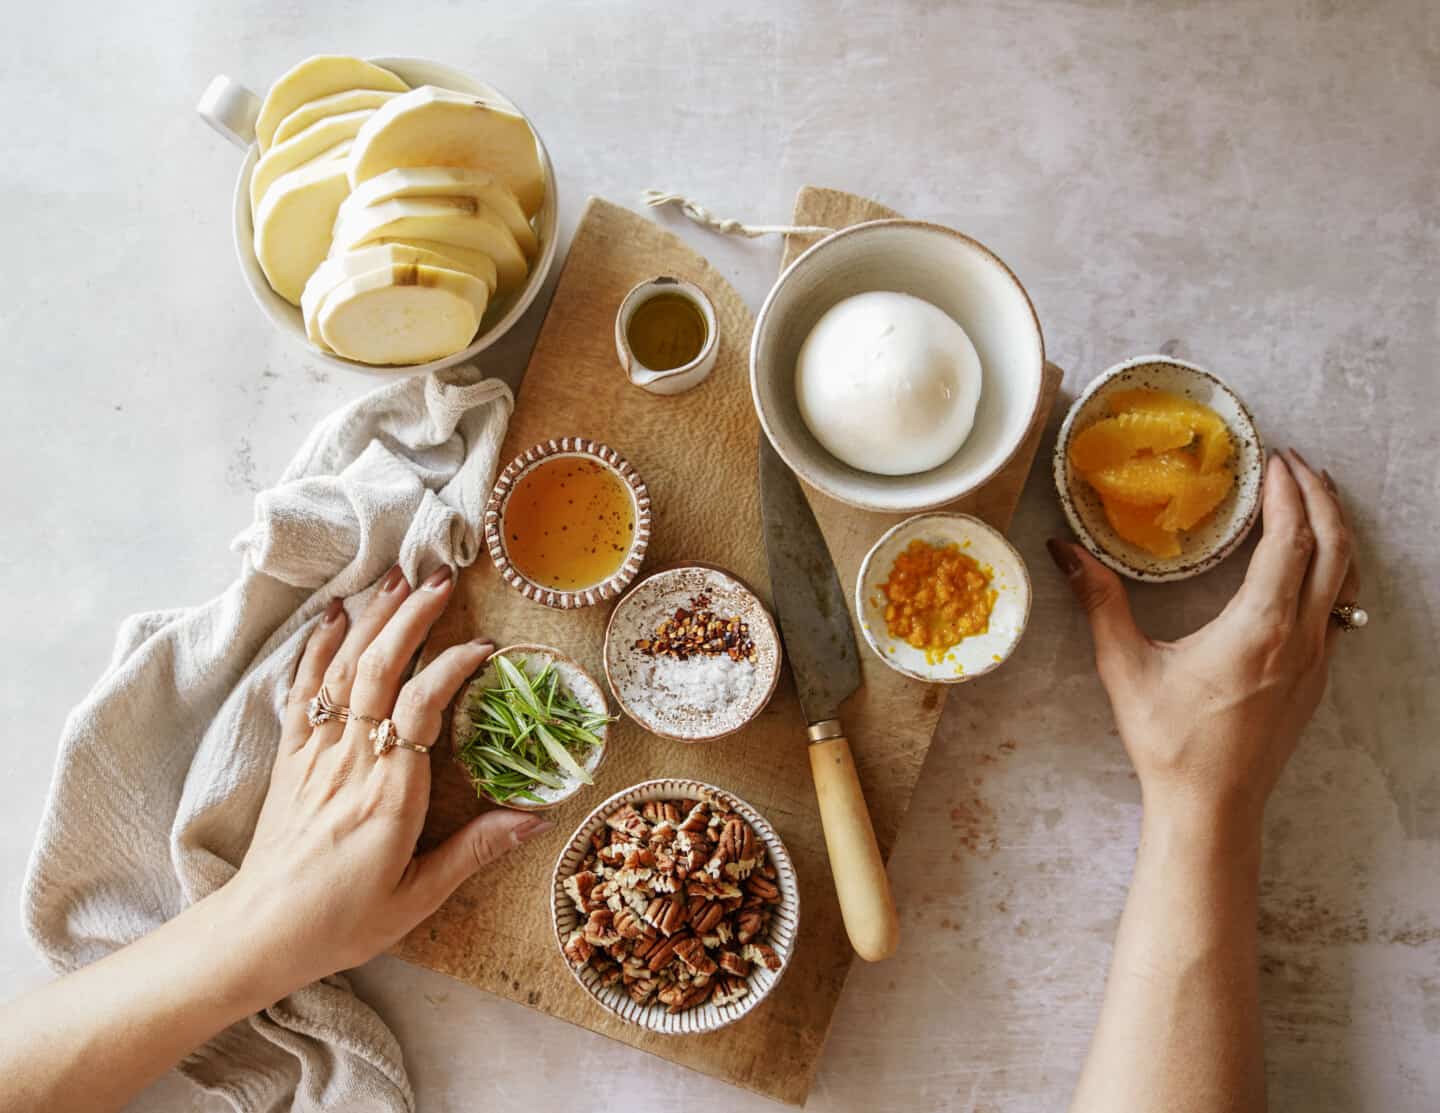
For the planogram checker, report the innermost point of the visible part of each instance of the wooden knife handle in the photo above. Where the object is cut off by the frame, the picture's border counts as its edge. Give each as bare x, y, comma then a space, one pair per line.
860, 879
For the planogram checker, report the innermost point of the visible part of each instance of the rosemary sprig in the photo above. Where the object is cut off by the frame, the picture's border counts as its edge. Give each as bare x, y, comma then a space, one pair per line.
528, 731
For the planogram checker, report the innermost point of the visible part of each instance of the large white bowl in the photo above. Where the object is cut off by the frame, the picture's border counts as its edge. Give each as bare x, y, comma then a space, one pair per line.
947, 269
499, 317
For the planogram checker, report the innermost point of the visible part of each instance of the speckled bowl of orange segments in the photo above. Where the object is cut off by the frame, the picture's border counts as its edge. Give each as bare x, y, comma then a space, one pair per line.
1217, 535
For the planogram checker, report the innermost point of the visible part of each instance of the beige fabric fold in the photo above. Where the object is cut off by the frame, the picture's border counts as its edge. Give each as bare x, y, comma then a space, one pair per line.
162, 768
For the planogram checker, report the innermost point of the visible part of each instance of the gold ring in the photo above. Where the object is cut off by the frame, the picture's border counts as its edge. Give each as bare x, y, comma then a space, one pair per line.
322, 709
1349, 616
386, 737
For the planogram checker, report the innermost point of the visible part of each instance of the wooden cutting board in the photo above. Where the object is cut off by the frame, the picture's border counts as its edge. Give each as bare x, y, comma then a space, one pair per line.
697, 452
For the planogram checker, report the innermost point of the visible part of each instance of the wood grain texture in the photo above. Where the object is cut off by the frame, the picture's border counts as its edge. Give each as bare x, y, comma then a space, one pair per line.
697, 453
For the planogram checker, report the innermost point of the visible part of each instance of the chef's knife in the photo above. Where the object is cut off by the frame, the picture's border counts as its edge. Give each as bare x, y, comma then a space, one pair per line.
820, 646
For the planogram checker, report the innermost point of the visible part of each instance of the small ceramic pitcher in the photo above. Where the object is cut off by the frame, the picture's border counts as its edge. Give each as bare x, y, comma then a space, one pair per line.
676, 379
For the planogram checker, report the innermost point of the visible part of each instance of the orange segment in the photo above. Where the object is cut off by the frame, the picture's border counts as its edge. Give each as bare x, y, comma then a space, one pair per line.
1215, 446
1115, 439
1138, 525
1195, 499
1215, 443
1145, 480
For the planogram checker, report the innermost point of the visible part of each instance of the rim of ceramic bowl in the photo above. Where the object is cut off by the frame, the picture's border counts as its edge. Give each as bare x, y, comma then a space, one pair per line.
653, 1017
911, 523
243, 235
806, 258
646, 290
498, 503
531, 650
772, 632
1060, 470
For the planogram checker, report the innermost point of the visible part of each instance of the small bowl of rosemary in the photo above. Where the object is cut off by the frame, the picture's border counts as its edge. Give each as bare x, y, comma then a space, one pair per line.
530, 728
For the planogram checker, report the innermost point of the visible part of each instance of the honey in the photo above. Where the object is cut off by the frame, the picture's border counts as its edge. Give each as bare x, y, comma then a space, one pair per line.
936, 596
569, 523
666, 332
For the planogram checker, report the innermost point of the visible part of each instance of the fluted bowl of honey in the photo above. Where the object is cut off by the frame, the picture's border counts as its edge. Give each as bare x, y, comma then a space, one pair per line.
568, 523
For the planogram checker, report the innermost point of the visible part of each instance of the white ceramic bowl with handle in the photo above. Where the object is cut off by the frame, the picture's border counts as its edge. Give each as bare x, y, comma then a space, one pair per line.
950, 270
230, 109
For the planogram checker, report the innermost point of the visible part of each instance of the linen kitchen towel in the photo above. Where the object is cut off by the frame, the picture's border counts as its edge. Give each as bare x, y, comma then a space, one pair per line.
163, 767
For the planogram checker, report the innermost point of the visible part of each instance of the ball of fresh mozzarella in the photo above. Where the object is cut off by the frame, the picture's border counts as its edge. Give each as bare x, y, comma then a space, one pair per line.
888, 383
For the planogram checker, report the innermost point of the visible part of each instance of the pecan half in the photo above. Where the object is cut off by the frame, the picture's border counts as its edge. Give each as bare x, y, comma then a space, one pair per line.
579, 887
748, 923
762, 954
731, 963
664, 954
578, 949
709, 917
692, 953
764, 888
628, 924
730, 989
600, 930
696, 996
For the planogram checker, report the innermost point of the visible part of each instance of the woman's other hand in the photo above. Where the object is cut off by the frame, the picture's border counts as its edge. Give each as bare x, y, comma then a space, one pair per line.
331, 877
1209, 721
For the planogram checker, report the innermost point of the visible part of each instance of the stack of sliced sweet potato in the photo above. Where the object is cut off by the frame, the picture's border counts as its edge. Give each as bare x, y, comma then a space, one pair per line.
393, 217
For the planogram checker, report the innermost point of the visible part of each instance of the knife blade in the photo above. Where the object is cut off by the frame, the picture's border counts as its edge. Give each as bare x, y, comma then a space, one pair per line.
825, 663
809, 601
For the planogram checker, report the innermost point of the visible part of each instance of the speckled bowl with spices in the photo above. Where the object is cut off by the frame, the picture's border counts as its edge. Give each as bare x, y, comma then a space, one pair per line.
691, 654
594, 574
1214, 538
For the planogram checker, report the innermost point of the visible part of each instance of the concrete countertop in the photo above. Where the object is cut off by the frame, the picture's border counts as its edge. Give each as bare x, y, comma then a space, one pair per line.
1253, 185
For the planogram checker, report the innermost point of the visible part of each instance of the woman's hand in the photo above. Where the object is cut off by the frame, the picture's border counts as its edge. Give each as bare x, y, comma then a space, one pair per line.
331, 877
1210, 720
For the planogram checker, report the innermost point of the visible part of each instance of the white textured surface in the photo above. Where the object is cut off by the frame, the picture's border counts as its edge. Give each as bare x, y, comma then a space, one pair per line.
1259, 182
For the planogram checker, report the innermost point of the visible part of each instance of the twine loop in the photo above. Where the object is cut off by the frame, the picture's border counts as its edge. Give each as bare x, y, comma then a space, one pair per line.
659, 198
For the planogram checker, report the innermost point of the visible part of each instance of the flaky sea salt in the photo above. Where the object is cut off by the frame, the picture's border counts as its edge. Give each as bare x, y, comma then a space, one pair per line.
698, 685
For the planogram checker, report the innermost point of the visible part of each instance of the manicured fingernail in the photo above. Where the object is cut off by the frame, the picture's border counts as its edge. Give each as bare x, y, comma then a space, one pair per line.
1328, 480
526, 831
393, 579
482, 643
1064, 556
439, 578
334, 611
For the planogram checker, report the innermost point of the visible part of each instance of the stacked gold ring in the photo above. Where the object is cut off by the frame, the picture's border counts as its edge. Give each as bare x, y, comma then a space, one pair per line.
384, 735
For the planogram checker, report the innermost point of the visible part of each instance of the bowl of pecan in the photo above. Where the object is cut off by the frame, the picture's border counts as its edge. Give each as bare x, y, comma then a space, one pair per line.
676, 906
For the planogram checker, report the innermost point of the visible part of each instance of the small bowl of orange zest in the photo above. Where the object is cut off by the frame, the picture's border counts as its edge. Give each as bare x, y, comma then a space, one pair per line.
942, 598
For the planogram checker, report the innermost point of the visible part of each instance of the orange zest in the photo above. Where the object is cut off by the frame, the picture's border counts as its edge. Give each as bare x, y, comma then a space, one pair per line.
1160, 464
935, 596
